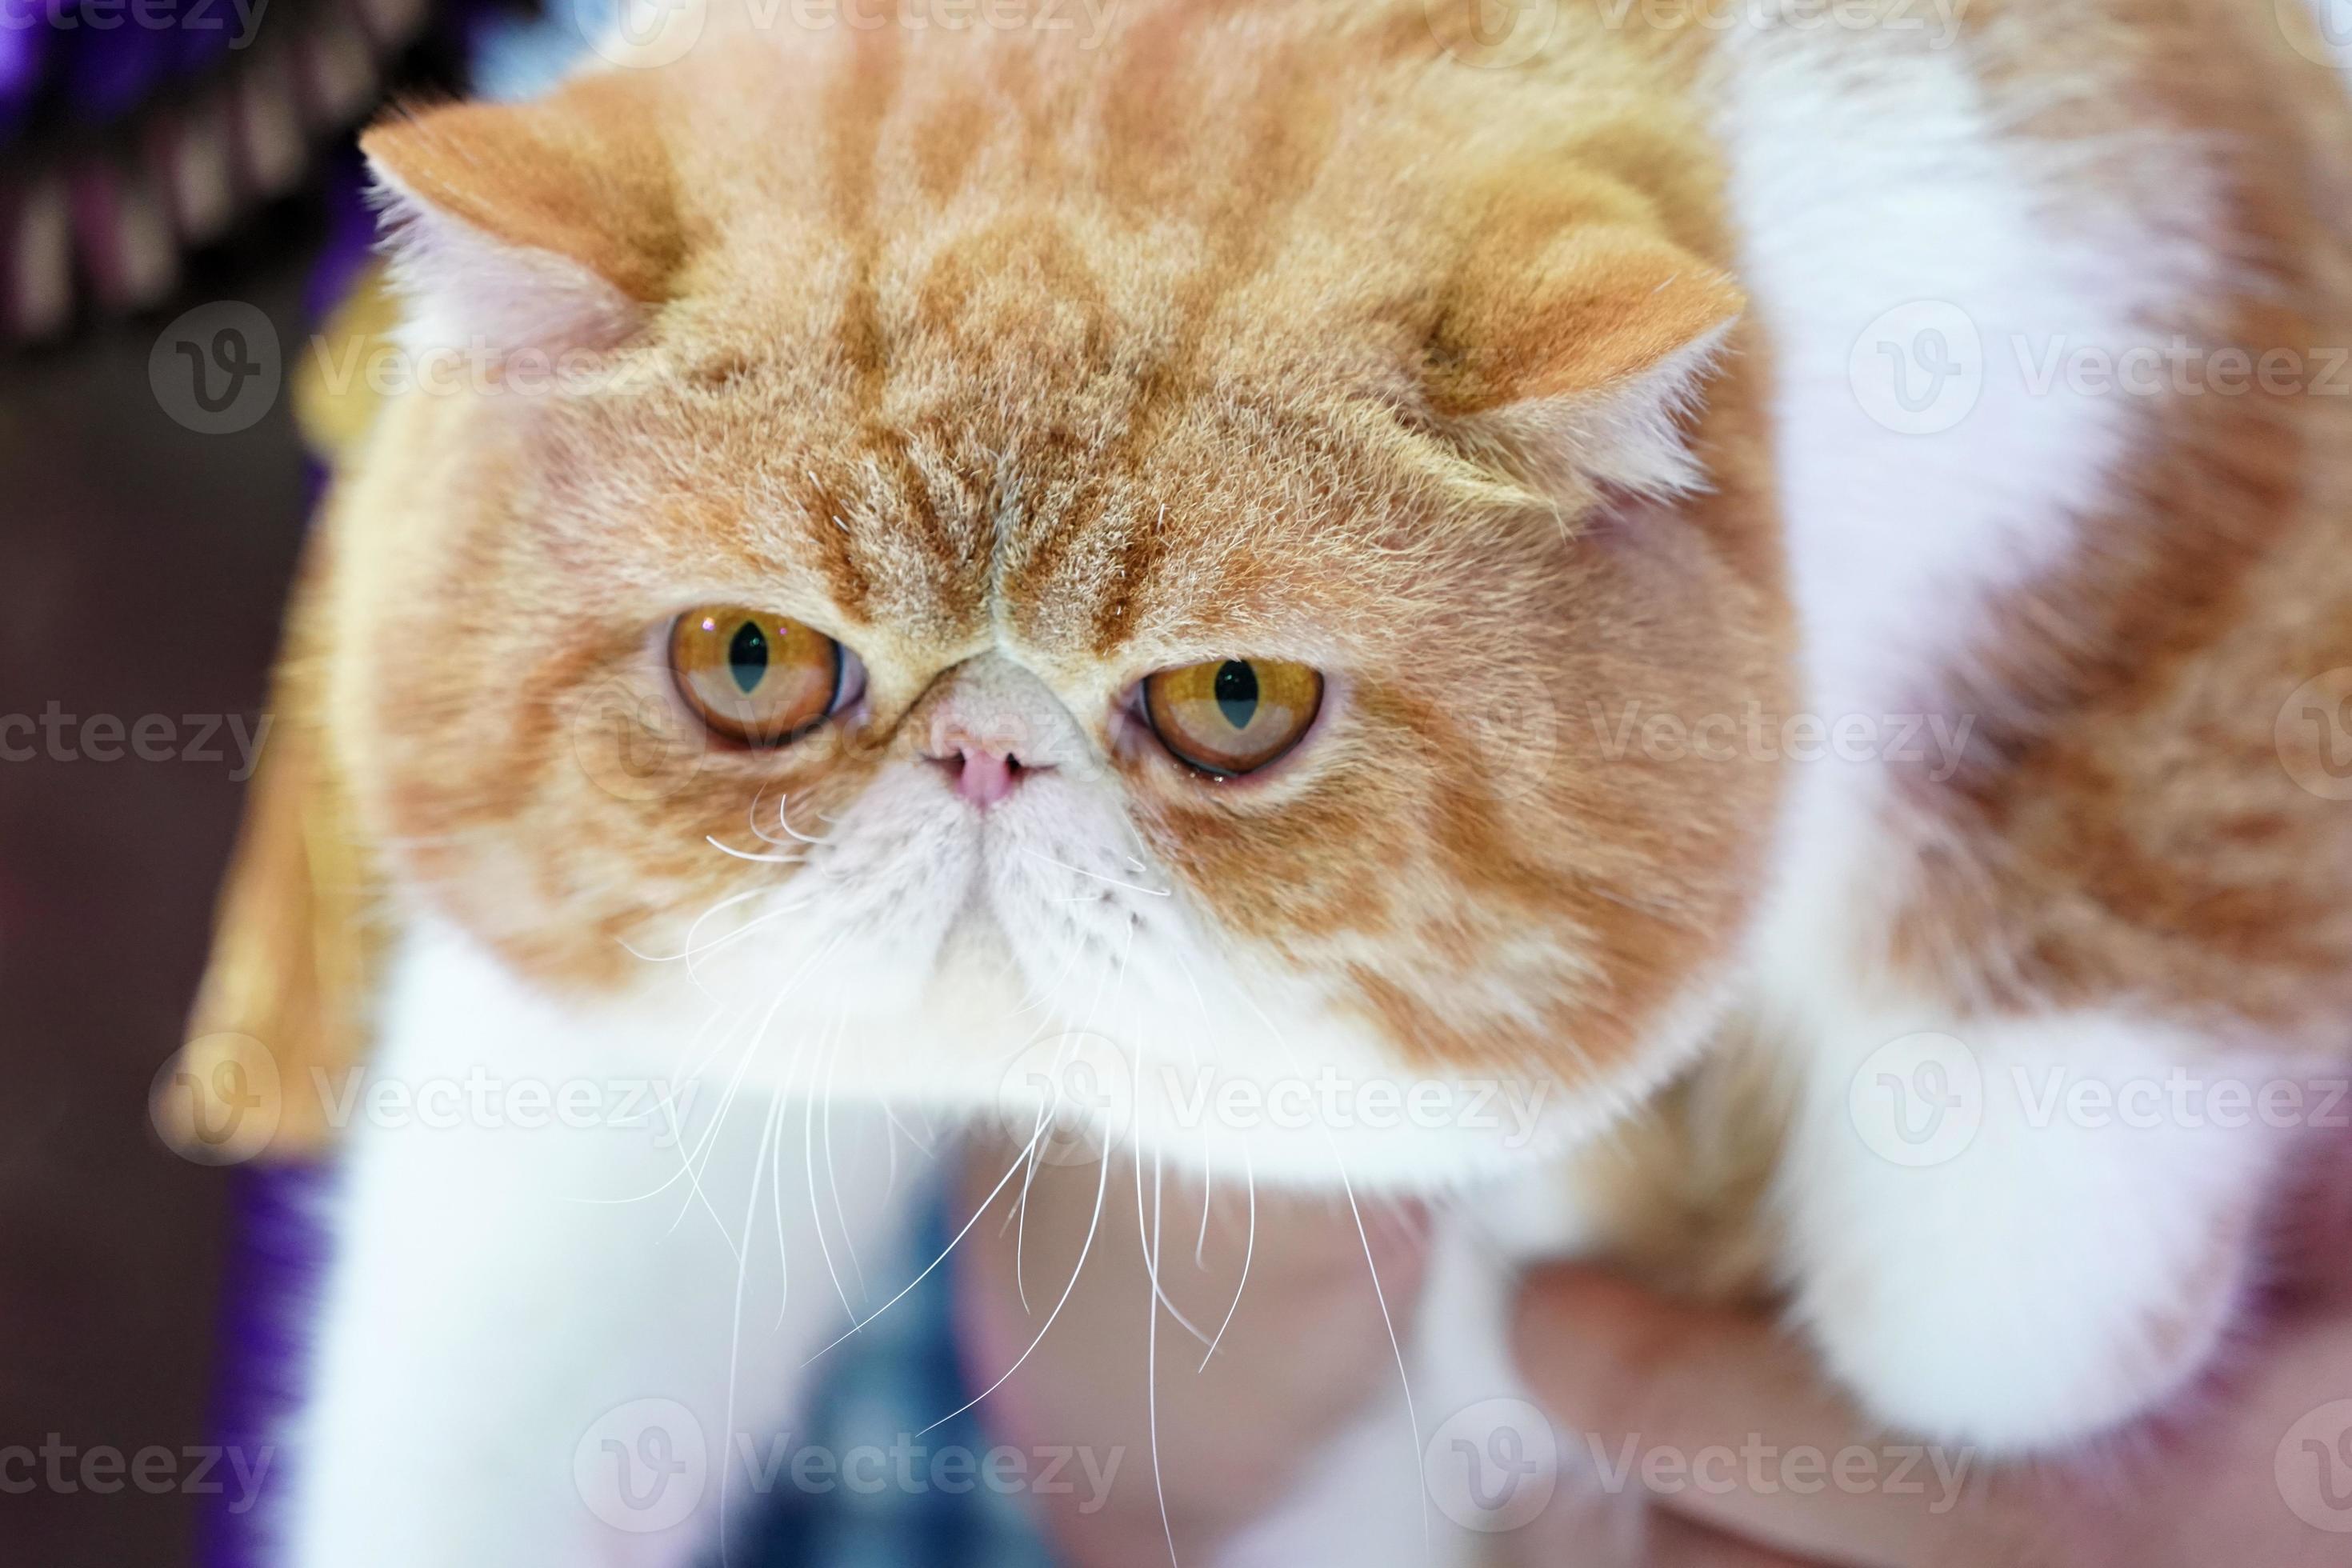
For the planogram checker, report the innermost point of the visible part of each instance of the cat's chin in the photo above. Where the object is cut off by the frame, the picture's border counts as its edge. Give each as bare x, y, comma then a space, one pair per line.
1233, 1079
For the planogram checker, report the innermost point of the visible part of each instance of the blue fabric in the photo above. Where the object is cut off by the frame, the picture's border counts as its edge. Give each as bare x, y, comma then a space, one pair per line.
881, 1388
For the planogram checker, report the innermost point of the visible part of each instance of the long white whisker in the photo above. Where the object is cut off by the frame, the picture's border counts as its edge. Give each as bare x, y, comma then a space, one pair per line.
979, 1210
673, 958
784, 801
816, 1218
1249, 1250
735, 1329
929, 1152
832, 1175
1044, 1119
696, 1195
1152, 1348
1151, 1253
1037, 996
1102, 1184
693, 952
776, 1193
727, 1097
712, 839
1097, 876
1396, 1348
667, 1105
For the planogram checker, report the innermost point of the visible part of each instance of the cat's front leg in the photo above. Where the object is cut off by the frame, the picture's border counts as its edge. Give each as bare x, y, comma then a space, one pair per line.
527, 1349
2019, 1233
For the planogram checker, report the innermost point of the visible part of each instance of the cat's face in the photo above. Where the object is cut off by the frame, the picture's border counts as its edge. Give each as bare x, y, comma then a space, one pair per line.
1067, 588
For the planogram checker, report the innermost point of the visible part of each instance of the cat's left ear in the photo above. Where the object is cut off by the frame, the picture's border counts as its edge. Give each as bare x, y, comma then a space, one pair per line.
550, 225
1594, 348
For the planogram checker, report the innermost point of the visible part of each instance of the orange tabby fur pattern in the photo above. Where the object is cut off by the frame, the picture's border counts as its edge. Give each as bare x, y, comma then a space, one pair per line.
1517, 396
1106, 364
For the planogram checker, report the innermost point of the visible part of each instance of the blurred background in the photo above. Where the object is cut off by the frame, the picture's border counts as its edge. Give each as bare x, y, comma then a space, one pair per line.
179, 202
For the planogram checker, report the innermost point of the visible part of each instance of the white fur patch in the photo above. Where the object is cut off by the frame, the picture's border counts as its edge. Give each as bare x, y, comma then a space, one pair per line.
525, 1284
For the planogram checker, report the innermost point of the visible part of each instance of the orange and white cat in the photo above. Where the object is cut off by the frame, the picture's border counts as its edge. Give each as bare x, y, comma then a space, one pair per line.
1310, 543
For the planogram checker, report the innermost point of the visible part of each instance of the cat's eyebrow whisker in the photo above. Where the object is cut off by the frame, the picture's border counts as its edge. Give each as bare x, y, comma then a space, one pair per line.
1097, 876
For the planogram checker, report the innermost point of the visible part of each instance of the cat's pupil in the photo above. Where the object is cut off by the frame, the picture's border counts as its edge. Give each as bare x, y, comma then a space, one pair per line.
747, 655
1237, 692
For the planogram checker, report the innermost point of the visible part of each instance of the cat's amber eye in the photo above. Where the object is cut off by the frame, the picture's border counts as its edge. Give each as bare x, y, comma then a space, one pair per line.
753, 677
1231, 716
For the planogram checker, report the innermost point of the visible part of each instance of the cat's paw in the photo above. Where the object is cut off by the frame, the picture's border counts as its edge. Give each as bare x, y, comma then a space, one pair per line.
2018, 1364
2033, 1275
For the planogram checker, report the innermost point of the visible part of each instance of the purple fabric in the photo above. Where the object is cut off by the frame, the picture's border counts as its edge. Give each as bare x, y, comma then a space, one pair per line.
199, 48
279, 1243
24, 43
350, 243
108, 73
278, 1250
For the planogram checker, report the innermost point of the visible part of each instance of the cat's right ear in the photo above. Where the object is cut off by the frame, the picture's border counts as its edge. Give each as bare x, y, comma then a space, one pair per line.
550, 225
1590, 344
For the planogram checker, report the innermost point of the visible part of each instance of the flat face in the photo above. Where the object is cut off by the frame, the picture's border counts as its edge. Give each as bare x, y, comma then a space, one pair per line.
1186, 456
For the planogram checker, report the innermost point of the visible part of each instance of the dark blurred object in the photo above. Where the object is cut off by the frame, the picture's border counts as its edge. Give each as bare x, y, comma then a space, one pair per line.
141, 570
144, 568
133, 132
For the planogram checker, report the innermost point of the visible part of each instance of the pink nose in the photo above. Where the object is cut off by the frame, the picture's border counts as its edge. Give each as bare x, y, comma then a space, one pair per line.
982, 774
